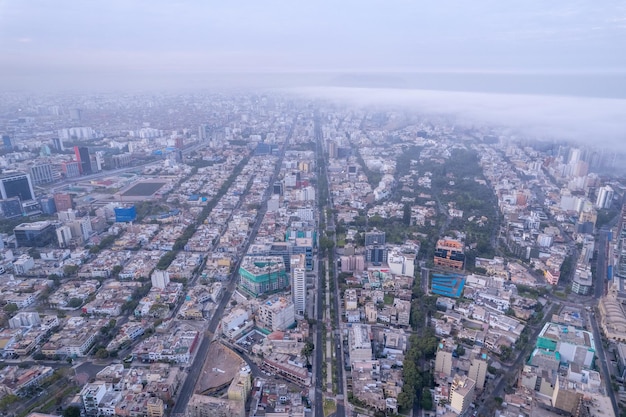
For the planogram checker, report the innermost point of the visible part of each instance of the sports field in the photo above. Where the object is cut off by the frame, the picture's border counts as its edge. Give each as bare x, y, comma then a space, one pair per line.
143, 189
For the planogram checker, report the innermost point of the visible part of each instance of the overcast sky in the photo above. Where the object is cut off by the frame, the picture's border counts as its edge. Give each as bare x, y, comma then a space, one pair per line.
60, 41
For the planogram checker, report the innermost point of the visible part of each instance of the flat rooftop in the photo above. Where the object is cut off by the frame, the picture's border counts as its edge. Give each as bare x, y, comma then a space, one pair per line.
144, 189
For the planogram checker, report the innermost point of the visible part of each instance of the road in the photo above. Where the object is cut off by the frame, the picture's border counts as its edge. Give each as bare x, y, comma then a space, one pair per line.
114, 172
599, 291
334, 333
601, 264
513, 369
318, 360
194, 370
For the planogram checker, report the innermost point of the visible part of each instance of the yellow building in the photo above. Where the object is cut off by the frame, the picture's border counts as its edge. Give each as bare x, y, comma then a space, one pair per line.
240, 388
461, 393
154, 407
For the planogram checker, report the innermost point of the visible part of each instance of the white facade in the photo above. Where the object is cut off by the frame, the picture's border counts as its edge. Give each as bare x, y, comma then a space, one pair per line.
298, 283
64, 236
605, 197
360, 342
160, 279
235, 319
276, 314
401, 264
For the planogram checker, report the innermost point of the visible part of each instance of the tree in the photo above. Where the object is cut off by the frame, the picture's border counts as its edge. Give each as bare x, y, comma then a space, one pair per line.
307, 350
6, 401
505, 353
69, 270
427, 399
11, 308
102, 353
326, 243
75, 302
460, 350
71, 411
406, 214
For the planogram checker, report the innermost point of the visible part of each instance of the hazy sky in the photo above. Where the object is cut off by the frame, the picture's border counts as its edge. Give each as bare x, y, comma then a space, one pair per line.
66, 41
596, 121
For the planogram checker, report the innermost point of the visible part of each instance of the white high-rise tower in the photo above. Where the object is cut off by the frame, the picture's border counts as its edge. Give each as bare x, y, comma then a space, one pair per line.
298, 283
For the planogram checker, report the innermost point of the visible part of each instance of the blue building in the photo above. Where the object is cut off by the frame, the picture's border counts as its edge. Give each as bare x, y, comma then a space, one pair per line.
47, 204
7, 142
448, 285
36, 234
125, 214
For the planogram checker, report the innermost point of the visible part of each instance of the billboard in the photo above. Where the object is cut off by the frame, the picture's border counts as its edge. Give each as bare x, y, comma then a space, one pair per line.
125, 214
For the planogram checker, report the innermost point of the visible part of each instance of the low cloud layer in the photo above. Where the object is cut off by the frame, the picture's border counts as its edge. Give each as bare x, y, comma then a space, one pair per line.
592, 121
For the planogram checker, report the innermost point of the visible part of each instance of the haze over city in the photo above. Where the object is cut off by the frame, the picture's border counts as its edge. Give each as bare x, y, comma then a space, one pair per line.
556, 48
312, 209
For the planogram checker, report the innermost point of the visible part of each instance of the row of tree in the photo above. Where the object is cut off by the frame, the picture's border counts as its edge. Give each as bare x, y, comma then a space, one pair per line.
417, 377
182, 240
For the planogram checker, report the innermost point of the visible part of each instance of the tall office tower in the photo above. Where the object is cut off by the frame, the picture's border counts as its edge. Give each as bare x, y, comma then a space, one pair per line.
298, 283
42, 173
574, 155
82, 156
375, 237
605, 197
7, 142
99, 161
443, 360
203, 133
462, 392
180, 142
36, 234
70, 169
76, 115
621, 244
57, 143
160, 279
16, 184
478, 370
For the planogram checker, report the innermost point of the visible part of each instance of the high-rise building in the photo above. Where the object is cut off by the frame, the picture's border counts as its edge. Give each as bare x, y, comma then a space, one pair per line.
376, 254
298, 283
461, 393
160, 279
205, 406
449, 253
276, 314
605, 197
11, 207
36, 234
620, 267
63, 201
155, 407
443, 360
375, 237
262, 274
64, 236
70, 169
179, 142
83, 158
16, 184
57, 143
42, 173
46, 203
478, 370
7, 142
91, 395
76, 115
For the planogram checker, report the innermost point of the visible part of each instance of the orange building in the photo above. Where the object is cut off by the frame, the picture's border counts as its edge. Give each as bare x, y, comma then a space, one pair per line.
449, 253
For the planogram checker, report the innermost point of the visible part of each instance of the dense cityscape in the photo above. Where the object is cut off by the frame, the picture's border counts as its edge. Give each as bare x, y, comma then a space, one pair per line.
270, 255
